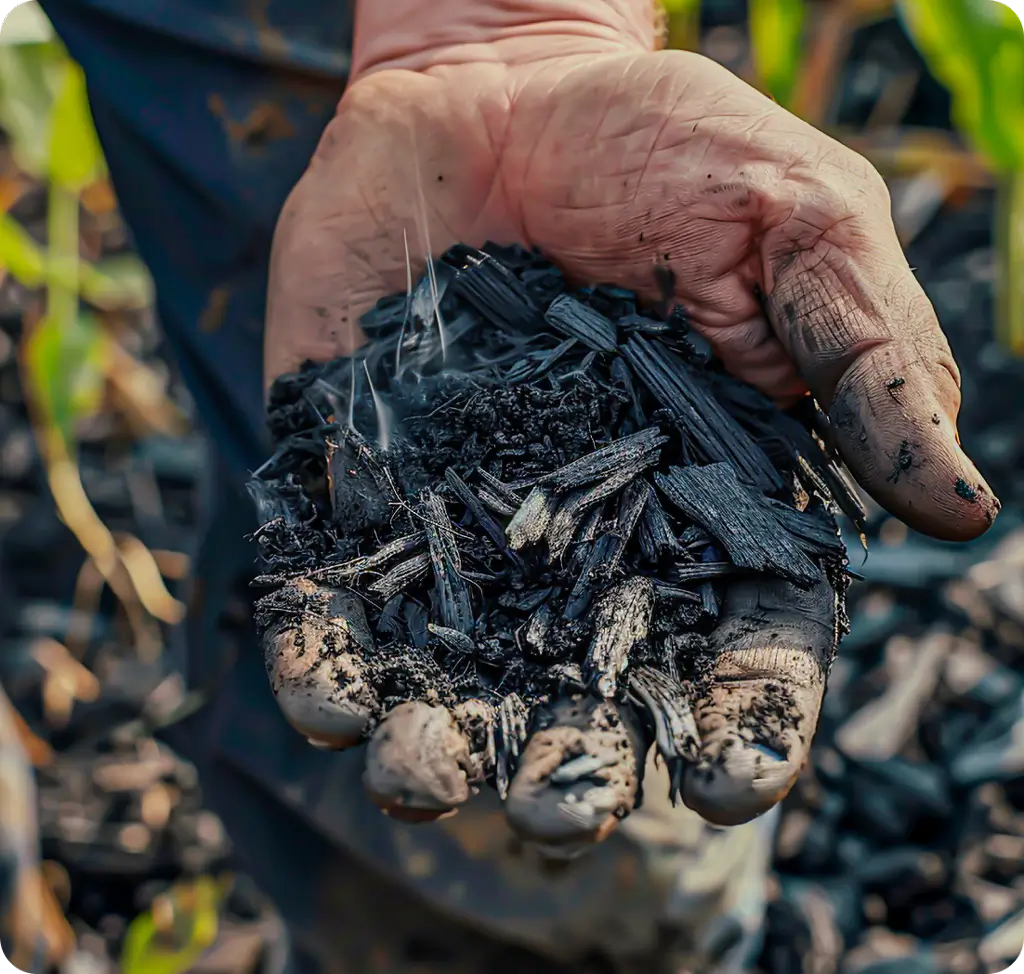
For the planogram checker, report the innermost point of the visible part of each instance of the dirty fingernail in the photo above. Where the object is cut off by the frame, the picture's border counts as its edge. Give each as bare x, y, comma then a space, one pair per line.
417, 763
314, 638
738, 781
577, 778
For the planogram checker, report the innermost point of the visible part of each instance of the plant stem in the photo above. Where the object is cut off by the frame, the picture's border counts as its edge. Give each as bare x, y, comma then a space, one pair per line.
62, 229
1010, 256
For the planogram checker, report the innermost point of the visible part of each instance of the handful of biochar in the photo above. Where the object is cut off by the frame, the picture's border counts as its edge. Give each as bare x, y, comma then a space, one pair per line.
519, 497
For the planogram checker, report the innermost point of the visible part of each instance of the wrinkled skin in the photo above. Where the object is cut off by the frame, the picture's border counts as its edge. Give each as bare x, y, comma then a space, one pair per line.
639, 167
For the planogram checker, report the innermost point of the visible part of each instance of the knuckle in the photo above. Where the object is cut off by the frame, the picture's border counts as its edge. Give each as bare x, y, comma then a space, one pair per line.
865, 177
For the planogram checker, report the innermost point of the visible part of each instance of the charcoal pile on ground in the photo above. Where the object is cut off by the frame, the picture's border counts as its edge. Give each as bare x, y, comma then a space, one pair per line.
902, 848
516, 490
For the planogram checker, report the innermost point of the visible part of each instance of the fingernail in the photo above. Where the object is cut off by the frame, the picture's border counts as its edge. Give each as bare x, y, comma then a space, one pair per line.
768, 752
576, 780
326, 724
416, 763
322, 694
743, 781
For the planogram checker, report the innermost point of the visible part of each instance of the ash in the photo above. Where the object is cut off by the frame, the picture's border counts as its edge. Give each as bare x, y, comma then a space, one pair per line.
536, 490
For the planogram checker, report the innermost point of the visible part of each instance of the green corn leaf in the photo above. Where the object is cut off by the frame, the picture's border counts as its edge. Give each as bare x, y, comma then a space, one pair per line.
1010, 251
776, 32
117, 283
120, 282
30, 75
76, 159
66, 363
147, 950
20, 255
26, 24
976, 48
683, 23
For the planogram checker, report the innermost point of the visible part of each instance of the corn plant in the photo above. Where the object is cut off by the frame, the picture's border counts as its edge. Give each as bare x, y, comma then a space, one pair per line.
68, 357
976, 48
776, 35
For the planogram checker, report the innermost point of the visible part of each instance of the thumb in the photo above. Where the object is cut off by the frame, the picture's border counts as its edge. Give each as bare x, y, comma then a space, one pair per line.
866, 339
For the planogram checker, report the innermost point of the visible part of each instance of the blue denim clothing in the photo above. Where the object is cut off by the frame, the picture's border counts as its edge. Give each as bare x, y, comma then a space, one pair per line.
208, 111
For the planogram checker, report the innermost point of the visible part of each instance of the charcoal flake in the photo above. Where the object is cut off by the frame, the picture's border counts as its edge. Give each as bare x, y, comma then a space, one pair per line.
656, 536
495, 292
500, 490
719, 437
635, 453
490, 527
685, 572
676, 733
582, 592
574, 318
449, 586
537, 630
456, 641
622, 619
530, 522
402, 576
715, 499
573, 508
405, 545
631, 507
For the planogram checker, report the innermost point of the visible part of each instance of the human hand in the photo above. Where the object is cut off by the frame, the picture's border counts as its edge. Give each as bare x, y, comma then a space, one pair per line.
554, 123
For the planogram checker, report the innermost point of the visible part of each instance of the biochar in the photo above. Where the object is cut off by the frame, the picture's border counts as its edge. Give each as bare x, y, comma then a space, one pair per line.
532, 489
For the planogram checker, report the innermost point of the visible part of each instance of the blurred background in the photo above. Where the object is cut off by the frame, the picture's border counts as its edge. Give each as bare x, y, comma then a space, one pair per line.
901, 849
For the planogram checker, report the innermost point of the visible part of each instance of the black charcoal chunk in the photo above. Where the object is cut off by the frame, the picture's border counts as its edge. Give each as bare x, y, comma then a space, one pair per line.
495, 292
508, 498
686, 572
633, 454
549, 360
583, 591
491, 528
577, 320
360, 488
622, 620
714, 498
388, 552
814, 530
675, 728
656, 536
449, 586
457, 641
718, 436
402, 576
573, 508
631, 507
672, 593
537, 630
